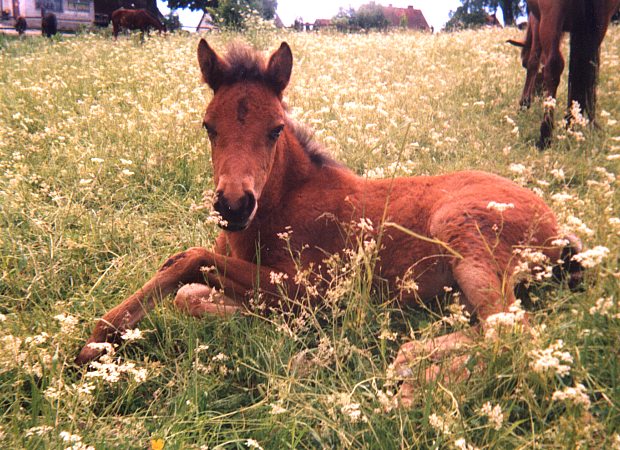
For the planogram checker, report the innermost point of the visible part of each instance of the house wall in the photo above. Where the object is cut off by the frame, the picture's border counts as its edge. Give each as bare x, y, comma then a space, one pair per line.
71, 14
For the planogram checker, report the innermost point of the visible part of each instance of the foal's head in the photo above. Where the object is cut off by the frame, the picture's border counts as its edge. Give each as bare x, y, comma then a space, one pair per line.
244, 121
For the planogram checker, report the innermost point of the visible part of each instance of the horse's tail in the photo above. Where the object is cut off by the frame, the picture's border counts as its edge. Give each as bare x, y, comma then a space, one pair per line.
568, 268
516, 43
584, 59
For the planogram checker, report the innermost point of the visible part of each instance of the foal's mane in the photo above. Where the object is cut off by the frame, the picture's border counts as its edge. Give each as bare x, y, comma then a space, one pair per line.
315, 150
243, 63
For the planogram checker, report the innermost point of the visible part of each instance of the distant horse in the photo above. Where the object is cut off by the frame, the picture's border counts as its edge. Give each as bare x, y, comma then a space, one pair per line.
135, 19
49, 25
270, 176
587, 22
21, 25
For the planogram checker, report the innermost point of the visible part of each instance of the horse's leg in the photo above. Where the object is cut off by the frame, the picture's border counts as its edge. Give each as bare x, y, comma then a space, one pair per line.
234, 276
550, 34
532, 78
184, 267
485, 294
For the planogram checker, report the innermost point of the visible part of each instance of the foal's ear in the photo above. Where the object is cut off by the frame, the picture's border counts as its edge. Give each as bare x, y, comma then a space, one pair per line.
280, 66
211, 65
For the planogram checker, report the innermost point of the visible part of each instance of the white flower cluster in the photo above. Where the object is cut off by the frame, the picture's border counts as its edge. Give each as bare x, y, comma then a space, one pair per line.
552, 359
500, 207
111, 370
591, 257
605, 306
577, 395
504, 321
494, 414
351, 410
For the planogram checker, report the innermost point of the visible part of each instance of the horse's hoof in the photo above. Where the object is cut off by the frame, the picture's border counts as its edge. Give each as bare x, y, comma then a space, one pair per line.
543, 143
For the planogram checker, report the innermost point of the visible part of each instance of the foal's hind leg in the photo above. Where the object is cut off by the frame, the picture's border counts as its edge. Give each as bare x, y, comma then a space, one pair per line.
485, 292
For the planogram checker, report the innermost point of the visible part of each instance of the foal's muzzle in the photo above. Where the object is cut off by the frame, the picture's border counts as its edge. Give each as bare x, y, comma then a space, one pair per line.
237, 214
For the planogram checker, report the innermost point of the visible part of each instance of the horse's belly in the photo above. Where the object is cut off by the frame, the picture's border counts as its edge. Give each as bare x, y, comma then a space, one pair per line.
415, 273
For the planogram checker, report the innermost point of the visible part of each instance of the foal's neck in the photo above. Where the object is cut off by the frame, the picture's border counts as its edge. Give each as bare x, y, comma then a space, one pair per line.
292, 167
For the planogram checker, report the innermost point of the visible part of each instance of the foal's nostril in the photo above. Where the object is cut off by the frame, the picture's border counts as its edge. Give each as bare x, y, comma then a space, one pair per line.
235, 213
250, 202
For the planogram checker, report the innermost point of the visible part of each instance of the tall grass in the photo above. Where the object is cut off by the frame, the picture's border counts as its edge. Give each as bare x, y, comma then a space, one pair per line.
103, 164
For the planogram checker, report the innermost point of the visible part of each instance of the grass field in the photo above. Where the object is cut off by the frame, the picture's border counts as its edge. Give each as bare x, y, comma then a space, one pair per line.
104, 164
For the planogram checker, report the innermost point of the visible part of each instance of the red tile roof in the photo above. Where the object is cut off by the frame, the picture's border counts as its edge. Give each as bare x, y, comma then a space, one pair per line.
415, 18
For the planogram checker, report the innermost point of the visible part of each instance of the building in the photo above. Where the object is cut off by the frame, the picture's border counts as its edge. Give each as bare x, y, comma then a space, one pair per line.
408, 17
206, 23
71, 14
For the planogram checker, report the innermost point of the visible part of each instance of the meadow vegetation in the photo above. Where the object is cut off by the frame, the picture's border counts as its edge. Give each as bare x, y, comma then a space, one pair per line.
104, 166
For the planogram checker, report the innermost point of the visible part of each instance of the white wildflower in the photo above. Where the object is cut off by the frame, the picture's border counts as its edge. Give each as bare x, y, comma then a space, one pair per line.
439, 424
132, 335
277, 408
549, 103
504, 321
517, 168
500, 207
591, 257
67, 323
41, 430
462, 444
277, 277
494, 414
577, 395
602, 306
558, 174
552, 359
252, 443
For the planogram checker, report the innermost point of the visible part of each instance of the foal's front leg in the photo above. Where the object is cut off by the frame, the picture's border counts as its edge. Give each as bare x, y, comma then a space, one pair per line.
234, 276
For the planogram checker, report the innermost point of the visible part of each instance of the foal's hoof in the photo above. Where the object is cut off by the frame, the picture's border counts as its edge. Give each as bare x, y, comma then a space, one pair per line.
198, 299
88, 354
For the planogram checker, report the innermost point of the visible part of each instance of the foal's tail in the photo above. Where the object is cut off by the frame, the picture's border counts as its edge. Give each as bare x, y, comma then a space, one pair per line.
569, 268
584, 60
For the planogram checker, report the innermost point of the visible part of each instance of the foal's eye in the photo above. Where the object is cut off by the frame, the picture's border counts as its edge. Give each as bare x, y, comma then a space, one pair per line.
275, 133
210, 130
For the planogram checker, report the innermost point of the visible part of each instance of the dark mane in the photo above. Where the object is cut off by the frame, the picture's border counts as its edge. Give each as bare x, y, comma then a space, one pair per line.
315, 151
244, 64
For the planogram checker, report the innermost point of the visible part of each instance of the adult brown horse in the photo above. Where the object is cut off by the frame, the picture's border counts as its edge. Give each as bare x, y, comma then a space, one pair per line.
21, 25
587, 22
135, 19
271, 177
49, 24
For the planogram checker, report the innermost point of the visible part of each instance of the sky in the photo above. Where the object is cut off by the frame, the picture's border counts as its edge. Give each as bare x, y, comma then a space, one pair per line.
435, 11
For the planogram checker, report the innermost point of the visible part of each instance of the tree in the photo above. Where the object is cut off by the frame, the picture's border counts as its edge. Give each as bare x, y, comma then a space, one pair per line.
232, 13
371, 16
367, 17
465, 18
172, 22
511, 9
